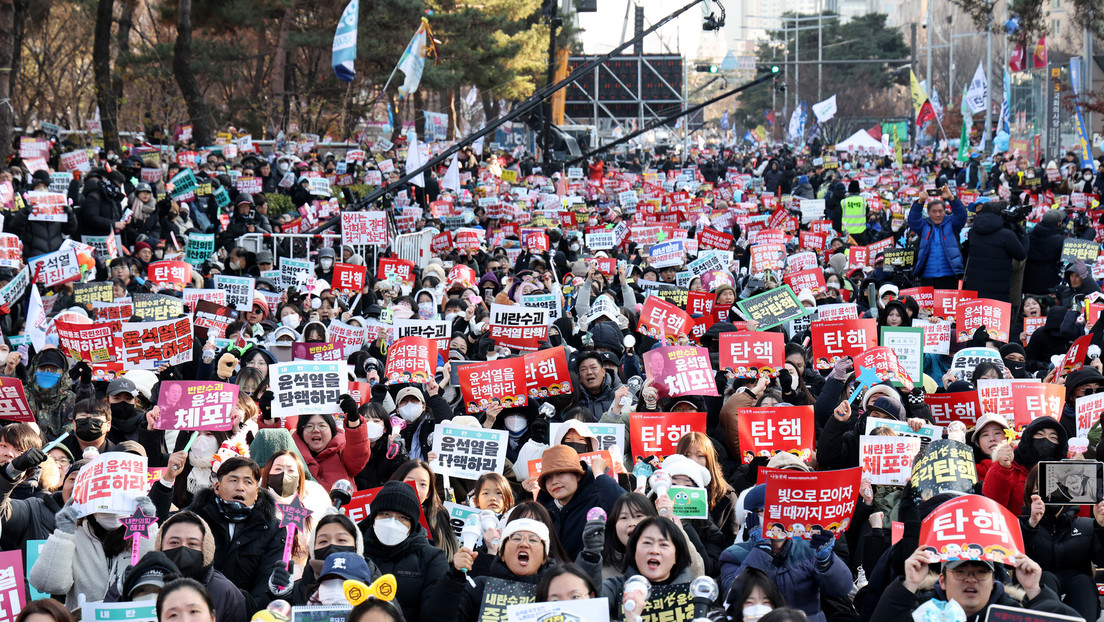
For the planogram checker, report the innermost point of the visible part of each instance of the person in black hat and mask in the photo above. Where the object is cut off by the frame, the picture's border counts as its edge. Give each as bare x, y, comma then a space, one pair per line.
1043, 439
1015, 360
1085, 381
49, 395
127, 421
91, 424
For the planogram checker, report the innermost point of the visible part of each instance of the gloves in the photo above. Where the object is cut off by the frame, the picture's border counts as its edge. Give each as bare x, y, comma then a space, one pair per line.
28, 459
66, 519
82, 371
784, 380
538, 430
279, 582
265, 404
594, 536
755, 537
379, 392
752, 520
147, 506
348, 406
225, 367
822, 544
841, 369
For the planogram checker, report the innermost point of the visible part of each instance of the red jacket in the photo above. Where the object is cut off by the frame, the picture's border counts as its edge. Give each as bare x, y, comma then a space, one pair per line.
343, 458
1006, 486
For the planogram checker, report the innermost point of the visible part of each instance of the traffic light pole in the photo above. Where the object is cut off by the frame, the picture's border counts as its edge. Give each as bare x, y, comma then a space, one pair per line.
524, 107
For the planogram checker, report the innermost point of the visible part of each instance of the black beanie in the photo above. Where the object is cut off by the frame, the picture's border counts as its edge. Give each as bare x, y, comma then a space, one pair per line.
397, 497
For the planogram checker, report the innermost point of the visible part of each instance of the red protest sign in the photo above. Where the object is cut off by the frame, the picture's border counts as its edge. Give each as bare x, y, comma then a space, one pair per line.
660, 319
191, 405
994, 315
148, 345
680, 370
835, 339
925, 297
711, 238
15, 594
812, 241
411, 359
1075, 356
441, 243
171, 274
13, 401
947, 408
811, 279
358, 507
972, 527
463, 275
401, 268
746, 354
469, 240
495, 382
767, 431
658, 434
91, 343
546, 373
767, 257
700, 303
348, 279
883, 360
1021, 401
800, 503
946, 301
536, 243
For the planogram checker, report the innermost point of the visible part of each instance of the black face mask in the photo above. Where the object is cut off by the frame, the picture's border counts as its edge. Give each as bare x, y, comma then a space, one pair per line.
322, 553
188, 561
1044, 449
1015, 366
580, 448
88, 429
125, 416
233, 511
283, 484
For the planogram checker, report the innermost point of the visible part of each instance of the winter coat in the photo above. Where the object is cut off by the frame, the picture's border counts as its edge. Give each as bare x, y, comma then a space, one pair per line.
897, 603
794, 570
40, 236
569, 520
75, 563
454, 599
379, 467
343, 458
598, 404
1054, 337
930, 233
993, 248
53, 407
1064, 543
613, 589
1044, 259
249, 557
1006, 486
23, 519
98, 213
416, 564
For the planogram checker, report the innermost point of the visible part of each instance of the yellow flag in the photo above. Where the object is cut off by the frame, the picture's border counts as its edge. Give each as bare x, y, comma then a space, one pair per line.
919, 97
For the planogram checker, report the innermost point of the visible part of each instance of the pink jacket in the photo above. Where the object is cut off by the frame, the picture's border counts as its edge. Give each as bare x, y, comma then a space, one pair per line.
343, 458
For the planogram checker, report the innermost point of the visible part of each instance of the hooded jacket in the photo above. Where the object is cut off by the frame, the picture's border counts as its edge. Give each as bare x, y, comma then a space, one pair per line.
343, 458
570, 519
1044, 257
993, 248
1064, 542
1006, 486
416, 564
98, 213
1054, 337
23, 519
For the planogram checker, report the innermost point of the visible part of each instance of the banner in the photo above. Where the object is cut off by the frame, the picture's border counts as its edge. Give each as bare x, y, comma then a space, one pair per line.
13, 590
55, 268
518, 327
11, 251
470, 452
658, 434
946, 465
148, 345
47, 206
348, 280
765, 431
836, 339
411, 359
170, 275
747, 354
13, 401
994, 315
977, 93
1021, 401
239, 290
1087, 410
200, 248
364, 228
110, 483
972, 527
439, 331
800, 503
887, 460
663, 321
209, 317
680, 370
825, 110
772, 308
91, 343
946, 408
191, 405
885, 365
495, 382
301, 388
546, 373
352, 337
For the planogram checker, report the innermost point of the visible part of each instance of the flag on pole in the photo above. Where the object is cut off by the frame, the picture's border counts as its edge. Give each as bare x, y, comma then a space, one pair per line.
770, 117
825, 110
1003, 123
977, 93
1016, 57
345, 42
1039, 56
936, 104
967, 123
796, 129
921, 107
724, 121
748, 137
412, 62
414, 159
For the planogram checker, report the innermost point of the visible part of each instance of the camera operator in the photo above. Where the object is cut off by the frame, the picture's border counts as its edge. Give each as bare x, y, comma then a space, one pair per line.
995, 243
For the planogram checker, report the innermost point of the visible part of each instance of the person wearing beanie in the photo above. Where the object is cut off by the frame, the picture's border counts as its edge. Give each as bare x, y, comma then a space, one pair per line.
1043, 268
568, 490
1080, 383
838, 446
1015, 360
396, 542
687, 472
332, 534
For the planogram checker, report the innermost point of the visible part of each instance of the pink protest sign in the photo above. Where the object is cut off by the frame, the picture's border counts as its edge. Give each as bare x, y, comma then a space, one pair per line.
137, 527
191, 405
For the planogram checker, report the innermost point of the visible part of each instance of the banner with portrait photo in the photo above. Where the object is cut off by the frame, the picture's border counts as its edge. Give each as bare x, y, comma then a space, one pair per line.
192, 405
680, 370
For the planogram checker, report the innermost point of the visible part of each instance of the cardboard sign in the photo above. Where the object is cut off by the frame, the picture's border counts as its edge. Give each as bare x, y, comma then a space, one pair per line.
157, 306
1075, 356
11, 251
348, 280
907, 343
498, 594
411, 359
518, 327
765, 431
994, 315
945, 466
887, 460
302, 388
972, 527
55, 268
170, 275
500, 382
836, 339
110, 483
839, 311
546, 373
470, 452
966, 359
91, 343
766, 257
661, 320
711, 238
885, 365
395, 269
799, 503
191, 405
658, 434
239, 290
13, 401
364, 228
148, 345
440, 331
192, 296
747, 354
772, 308
47, 206
1087, 410
947, 408
680, 370
209, 317
1021, 401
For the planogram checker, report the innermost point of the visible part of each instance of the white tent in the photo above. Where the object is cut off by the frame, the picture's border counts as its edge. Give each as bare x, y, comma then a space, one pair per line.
862, 142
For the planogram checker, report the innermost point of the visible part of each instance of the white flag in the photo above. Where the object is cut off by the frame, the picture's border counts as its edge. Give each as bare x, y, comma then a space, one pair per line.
414, 160
473, 96
977, 94
413, 62
825, 110
36, 320
451, 180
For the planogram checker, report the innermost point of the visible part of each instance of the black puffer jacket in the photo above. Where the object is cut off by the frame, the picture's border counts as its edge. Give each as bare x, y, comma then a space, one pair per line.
897, 602
40, 236
416, 564
600, 403
993, 247
456, 600
1065, 542
249, 557
99, 213
1041, 272
24, 519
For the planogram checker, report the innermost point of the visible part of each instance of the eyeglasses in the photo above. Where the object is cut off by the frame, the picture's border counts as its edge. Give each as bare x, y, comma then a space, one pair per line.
978, 574
532, 541
311, 427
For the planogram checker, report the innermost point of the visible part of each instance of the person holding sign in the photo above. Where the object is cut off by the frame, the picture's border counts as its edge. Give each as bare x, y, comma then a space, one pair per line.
41, 236
1044, 439
333, 454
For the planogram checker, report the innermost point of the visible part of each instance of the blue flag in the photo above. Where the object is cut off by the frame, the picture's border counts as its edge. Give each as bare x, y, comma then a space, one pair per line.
345, 42
724, 121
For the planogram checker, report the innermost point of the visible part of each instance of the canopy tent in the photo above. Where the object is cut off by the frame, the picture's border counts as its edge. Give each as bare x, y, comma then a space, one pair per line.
861, 141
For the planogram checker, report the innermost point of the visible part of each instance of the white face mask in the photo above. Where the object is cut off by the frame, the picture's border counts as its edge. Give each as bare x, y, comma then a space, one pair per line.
331, 592
516, 423
451, 317
390, 531
109, 521
754, 612
374, 430
410, 412
152, 597
291, 320
325, 262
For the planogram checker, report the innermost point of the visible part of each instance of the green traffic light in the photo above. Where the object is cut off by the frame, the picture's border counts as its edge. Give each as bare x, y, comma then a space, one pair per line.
774, 69
713, 69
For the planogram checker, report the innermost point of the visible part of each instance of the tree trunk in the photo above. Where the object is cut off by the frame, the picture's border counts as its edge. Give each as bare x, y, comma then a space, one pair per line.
279, 116
7, 17
19, 30
185, 77
122, 49
101, 68
419, 119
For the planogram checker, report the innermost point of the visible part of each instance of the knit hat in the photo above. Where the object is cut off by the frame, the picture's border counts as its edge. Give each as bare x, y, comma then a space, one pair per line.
268, 441
559, 459
142, 245
678, 464
1085, 375
397, 497
607, 335
259, 300
530, 525
786, 460
1054, 217
755, 498
1012, 348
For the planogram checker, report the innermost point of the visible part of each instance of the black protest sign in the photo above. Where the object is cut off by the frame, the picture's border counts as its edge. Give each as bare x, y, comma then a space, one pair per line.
1085, 250
946, 466
87, 293
499, 594
157, 307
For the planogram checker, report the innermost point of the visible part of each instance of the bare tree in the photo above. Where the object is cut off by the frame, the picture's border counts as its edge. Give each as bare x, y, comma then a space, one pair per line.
7, 42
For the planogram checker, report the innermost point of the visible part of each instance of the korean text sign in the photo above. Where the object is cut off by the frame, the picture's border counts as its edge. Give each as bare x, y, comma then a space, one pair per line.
501, 381
546, 373
303, 388
994, 315
959, 406
746, 354
110, 483
1021, 402
411, 359
660, 319
765, 431
13, 401
836, 339
12, 595
887, 460
518, 327
470, 452
972, 527
658, 434
799, 503
439, 331
772, 308
946, 465
191, 405
680, 370
147, 345
91, 343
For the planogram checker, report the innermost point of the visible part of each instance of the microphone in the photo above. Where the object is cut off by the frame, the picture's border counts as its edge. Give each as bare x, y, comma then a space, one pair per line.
703, 591
635, 384
636, 583
341, 493
471, 533
661, 483
488, 520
